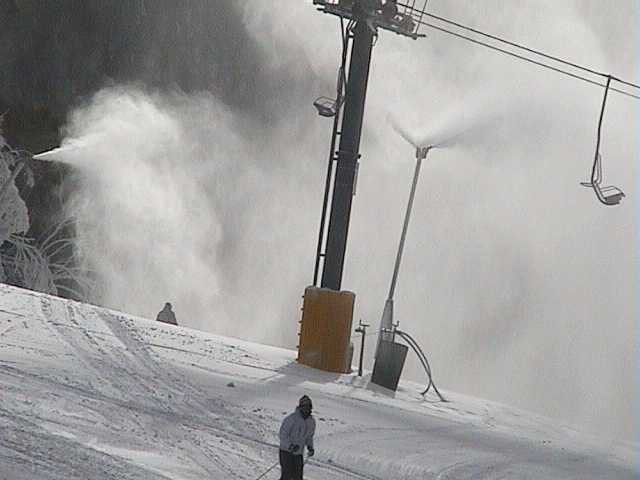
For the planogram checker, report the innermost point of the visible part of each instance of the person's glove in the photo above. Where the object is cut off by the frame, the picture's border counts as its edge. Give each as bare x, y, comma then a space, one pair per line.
310, 451
294, 448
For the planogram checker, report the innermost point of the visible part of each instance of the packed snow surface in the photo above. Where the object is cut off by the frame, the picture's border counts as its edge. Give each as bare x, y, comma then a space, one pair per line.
89, 393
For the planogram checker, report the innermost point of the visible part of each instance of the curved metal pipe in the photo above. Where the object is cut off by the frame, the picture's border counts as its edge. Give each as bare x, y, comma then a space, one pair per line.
423, 358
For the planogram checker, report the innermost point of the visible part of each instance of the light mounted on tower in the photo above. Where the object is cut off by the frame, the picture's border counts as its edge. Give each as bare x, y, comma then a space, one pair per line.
401, 18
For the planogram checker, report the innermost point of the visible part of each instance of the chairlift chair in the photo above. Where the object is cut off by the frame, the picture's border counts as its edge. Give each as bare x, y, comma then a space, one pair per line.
609, 195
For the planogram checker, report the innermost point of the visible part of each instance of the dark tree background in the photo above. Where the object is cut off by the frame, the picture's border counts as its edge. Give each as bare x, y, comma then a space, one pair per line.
55, 54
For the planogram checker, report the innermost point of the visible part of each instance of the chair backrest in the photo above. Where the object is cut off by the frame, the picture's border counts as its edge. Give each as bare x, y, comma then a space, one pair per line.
609, 195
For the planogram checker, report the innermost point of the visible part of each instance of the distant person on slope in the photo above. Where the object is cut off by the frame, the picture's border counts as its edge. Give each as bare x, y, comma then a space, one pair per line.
166, 315
296, 432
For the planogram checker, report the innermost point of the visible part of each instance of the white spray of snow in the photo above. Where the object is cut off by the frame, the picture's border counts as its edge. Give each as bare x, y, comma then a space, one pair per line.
174, 203
144, 223
462, 124
71, 151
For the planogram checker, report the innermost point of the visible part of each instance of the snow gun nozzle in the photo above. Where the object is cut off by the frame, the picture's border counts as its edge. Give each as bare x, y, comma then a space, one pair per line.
421, 152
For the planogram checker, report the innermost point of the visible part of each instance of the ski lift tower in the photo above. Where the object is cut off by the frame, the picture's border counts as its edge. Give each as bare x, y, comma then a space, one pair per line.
321, 345
364, 18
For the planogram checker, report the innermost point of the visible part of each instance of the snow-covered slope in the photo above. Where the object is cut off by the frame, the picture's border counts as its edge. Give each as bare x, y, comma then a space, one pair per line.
89, 393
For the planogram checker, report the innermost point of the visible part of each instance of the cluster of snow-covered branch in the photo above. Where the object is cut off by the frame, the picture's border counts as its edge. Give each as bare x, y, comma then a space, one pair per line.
45, 264
14, 217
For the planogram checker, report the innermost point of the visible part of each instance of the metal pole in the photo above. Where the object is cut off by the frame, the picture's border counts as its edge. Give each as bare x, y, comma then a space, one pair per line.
16, 171
361, 329
268, 470
361, 353
604, 104
386, 322
325, 199
347, 154
346, 36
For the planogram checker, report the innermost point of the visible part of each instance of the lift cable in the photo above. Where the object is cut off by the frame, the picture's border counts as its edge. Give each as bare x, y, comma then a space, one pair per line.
527, 49
539, 63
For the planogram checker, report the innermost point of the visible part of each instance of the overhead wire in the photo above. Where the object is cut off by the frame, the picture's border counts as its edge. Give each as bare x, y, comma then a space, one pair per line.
536, 62
528, 49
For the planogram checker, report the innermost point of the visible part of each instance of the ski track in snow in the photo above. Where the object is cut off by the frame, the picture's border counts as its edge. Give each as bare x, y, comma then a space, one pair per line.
92, 393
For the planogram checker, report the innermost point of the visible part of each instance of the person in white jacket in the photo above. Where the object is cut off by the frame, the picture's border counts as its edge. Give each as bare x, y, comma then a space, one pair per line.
296, 433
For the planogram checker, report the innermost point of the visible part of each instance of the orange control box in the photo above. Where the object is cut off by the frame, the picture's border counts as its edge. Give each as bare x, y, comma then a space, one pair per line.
325, 332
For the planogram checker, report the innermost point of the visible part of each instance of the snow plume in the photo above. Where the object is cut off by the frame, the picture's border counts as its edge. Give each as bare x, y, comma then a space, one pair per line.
517, 283
138, 202
464, 124
172, 204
